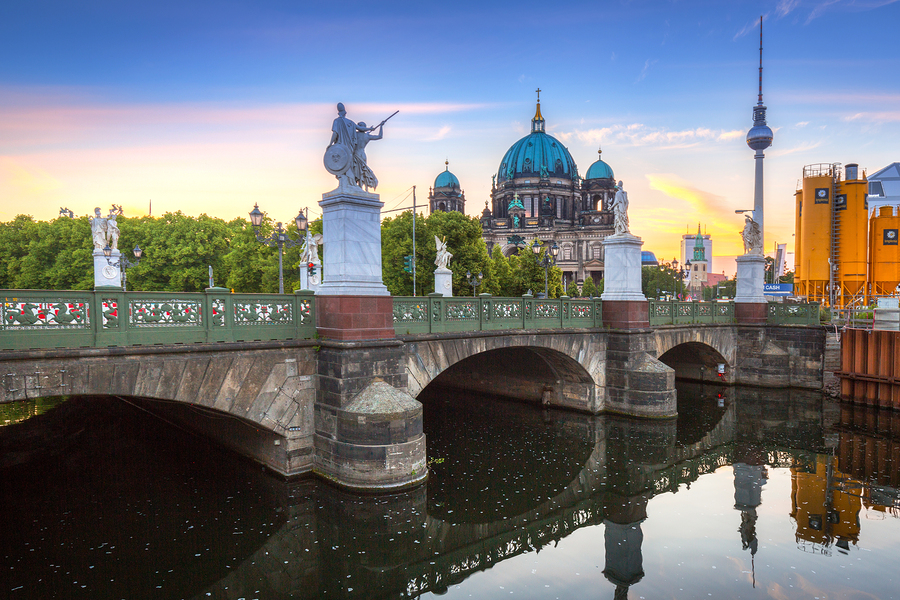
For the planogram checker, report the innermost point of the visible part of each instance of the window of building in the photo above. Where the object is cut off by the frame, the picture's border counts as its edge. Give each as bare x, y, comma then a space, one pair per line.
876, 189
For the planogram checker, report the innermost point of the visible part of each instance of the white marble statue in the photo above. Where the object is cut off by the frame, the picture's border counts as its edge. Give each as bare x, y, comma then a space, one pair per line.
310, 254
112, 231
98, 230
443, 257
752, 236
620, 210
345, 157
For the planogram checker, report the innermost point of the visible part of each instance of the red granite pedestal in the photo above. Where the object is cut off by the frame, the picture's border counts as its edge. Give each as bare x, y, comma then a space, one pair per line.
355, 318
626, 314
751, 313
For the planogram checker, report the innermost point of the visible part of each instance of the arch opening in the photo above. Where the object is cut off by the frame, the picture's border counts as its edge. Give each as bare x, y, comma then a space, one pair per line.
695, 361
523, 373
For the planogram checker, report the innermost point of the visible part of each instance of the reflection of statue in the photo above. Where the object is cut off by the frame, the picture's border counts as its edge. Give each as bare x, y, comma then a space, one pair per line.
752, 236
620, 210
98, 230
345, 157
112, 231
443, 257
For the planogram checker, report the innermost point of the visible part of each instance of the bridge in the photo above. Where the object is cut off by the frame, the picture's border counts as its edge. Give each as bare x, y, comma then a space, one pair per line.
305, 395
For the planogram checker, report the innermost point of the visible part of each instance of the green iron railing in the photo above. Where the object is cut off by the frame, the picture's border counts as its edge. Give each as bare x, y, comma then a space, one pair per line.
674, 312
438, 314
786, 313
38, 319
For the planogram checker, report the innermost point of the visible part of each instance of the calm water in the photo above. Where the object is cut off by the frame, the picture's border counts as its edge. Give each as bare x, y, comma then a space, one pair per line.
749, 494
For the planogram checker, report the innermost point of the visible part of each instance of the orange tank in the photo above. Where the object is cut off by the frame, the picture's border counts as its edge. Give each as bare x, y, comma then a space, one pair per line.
884, 253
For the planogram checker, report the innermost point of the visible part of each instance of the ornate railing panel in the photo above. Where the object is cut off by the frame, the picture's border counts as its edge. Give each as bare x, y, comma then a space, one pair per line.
674, 312
34, 319
437, 314
790, 313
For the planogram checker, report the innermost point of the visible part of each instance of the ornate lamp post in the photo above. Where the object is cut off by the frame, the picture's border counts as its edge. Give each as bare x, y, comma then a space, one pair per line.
279, 238
474, 281
547, 261
123, 262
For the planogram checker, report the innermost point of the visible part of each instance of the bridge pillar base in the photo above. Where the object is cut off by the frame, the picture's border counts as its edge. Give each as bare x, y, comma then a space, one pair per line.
751, 313
626, 314
637, 384
354, 318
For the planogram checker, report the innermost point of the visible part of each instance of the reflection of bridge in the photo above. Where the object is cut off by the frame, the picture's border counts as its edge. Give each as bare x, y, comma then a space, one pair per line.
304, 404
412, 552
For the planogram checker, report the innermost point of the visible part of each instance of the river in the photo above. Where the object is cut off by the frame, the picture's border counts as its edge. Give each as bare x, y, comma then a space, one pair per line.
748, 494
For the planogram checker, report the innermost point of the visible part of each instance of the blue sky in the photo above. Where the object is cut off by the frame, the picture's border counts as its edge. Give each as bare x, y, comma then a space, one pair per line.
212, 106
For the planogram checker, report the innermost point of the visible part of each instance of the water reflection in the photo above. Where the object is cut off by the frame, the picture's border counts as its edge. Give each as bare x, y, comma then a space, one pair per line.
520, 486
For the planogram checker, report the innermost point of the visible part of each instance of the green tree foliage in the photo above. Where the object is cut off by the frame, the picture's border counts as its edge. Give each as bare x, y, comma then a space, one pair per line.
463, 235
660, 281
503, 281
589, 288
572, 291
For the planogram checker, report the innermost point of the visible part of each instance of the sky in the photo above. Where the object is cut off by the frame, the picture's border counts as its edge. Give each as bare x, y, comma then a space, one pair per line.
210, 107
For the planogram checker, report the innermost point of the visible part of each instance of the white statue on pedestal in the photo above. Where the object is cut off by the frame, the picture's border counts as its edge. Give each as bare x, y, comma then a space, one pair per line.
752, 236
112, 231
345, 157
98, 230
443, 257
620, 210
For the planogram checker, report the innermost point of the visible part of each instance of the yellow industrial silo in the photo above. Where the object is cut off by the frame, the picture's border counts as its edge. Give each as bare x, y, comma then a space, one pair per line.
850, 227
884, 253
831, 231
814, 244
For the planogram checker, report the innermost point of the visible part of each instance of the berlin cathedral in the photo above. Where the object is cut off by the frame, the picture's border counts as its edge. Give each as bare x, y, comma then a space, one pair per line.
537, 194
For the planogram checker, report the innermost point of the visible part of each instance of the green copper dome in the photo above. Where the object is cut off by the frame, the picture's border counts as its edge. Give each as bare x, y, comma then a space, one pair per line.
599, 170
537, 155
446, 179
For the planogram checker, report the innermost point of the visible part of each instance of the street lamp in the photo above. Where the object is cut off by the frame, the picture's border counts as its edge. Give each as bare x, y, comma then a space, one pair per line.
279, 238
547, 261
123, 263
474, 281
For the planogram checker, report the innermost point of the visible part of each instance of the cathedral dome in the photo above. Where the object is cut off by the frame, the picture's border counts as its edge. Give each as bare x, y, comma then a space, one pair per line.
599, 170
446, 179
538, 155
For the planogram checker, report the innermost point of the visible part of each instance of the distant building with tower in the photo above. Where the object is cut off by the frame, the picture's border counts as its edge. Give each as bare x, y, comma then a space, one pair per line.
447, 194
696, 250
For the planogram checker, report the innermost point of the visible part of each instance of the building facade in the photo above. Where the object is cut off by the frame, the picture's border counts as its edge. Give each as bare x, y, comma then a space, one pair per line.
538, 194
447, 194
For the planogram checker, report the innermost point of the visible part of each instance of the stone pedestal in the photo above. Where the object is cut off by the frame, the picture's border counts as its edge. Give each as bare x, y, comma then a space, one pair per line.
305, 283
107, 275
351, 224
354, 318
624, 304
443, 282
749, 302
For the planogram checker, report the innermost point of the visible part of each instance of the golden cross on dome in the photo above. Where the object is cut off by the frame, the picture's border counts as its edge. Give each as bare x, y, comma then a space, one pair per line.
539, 94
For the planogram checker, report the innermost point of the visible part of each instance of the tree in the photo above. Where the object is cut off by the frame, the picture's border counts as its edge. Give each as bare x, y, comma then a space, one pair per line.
588, 289
572, 290
503, 282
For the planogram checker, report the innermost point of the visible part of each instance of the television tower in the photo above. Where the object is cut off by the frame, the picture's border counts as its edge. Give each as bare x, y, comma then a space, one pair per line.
759, 138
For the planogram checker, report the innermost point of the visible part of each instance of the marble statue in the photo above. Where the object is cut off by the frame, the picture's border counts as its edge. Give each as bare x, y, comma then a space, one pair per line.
98, 230
310, 254
752, 236
443, 256
620, 210
345, 157
112, 231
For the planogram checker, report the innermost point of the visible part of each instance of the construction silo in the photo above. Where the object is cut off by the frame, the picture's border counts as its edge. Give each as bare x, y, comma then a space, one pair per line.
849, 230
815, 240
884, 253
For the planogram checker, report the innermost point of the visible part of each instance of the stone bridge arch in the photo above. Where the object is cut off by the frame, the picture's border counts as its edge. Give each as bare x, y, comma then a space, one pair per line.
566, 370
694, 352
257, 401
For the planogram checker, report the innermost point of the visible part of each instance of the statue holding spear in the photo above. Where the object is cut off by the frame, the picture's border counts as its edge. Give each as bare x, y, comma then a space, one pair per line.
345, 157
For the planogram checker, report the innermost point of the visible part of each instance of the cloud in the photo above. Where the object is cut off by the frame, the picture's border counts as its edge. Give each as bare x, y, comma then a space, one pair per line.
441, 134
804, 147
875, 117
647, 64
801, 124
638, 134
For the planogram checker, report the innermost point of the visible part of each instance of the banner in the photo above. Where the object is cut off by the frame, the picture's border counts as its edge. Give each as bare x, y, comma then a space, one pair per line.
778, 289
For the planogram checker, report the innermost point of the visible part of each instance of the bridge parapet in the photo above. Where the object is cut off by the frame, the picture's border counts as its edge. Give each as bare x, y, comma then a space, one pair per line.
438, 314
42, 319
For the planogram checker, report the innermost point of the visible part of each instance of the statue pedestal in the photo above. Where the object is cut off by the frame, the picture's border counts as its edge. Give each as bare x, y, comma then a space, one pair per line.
351, 230
624, 304
107, 275
443, 282
304, 278
749, 302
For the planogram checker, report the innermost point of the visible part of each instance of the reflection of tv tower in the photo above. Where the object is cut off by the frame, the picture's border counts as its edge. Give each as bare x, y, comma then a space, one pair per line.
749, 477
759, 138
624, 538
